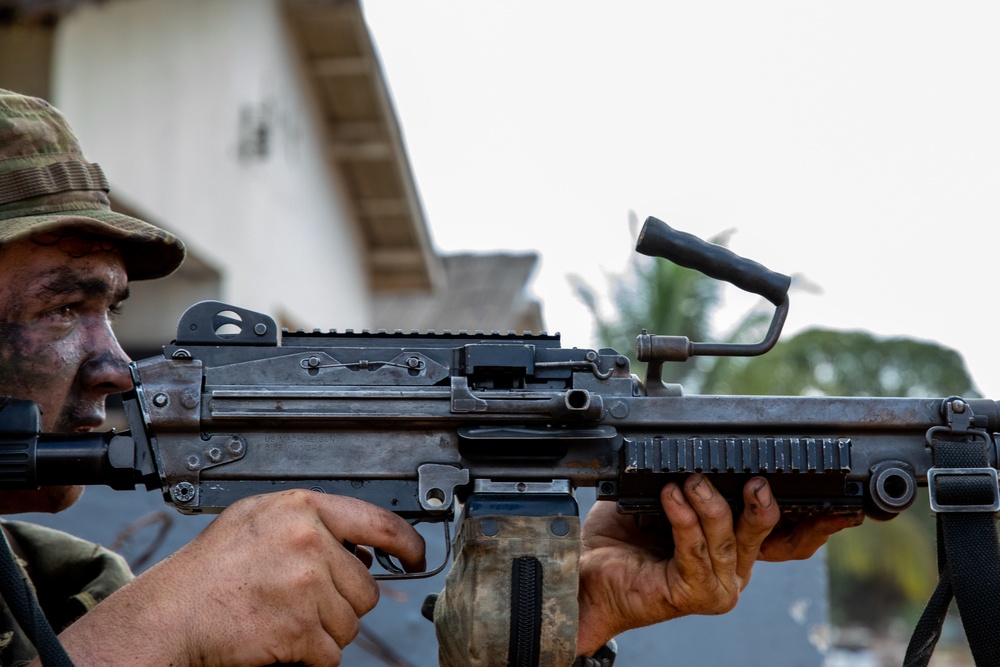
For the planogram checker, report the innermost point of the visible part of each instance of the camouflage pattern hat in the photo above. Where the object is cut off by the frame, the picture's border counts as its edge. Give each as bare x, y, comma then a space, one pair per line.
47, 185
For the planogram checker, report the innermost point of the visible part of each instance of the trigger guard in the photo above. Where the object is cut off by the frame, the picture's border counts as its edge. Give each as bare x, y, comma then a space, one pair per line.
394, 571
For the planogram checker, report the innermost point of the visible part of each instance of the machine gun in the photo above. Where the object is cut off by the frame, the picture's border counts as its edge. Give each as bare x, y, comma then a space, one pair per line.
506, 426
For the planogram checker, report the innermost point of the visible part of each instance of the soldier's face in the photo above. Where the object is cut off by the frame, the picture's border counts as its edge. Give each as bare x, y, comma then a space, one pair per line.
57, 301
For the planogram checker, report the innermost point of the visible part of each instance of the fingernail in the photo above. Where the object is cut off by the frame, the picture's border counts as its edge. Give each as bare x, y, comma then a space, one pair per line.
703, 490
762, 492
677, 496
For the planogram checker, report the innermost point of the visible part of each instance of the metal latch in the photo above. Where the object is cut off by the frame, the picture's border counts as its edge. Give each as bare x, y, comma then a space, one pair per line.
934, 474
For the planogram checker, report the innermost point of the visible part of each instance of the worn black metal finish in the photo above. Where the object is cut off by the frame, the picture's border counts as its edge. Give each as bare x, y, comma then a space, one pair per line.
362, 413
410, 421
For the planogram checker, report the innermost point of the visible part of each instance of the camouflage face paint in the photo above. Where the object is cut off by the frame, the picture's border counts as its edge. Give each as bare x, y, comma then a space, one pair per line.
56, 343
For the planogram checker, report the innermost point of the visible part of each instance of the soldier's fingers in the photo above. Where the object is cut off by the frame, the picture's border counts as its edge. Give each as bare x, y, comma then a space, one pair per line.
681, 516
802, 540
691, 554
716, 520
759, 517
358, 522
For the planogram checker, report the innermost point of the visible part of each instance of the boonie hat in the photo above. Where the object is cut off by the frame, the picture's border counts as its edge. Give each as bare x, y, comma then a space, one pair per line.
46, 185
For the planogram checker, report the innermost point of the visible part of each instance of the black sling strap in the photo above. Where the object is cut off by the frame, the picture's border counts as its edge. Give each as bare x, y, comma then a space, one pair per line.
20, 599
965, 497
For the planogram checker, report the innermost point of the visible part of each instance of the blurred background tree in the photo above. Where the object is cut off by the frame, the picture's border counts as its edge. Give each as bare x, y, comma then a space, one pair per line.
880, 571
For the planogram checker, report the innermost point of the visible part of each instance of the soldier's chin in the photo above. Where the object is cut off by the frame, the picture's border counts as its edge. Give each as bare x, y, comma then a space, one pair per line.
49, 499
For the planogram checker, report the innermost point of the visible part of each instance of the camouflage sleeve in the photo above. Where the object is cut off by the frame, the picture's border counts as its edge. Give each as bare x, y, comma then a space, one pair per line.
70, 577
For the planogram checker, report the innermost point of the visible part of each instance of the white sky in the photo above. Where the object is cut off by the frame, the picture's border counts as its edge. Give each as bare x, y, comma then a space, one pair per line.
856, 143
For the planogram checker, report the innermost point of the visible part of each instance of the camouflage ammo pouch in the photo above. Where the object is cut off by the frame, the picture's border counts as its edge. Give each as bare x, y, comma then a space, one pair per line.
511, 595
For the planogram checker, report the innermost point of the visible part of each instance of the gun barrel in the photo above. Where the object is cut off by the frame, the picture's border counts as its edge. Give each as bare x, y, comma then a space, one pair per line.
989, 410
86, 458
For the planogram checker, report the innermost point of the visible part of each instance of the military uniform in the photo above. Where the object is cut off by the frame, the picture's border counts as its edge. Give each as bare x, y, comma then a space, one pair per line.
46, 185
69, 576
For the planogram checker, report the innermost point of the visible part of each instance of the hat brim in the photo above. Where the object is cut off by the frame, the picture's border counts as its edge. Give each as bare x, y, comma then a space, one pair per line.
148, 251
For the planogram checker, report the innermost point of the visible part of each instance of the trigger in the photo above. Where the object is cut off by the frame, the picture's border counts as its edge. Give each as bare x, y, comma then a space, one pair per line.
385, 560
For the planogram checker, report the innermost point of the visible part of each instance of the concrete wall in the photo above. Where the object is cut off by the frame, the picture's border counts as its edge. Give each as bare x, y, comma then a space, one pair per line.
201, 117
25, 58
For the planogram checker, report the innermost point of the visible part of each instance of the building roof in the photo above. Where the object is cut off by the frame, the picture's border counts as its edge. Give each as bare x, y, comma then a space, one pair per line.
366, 141
479, 292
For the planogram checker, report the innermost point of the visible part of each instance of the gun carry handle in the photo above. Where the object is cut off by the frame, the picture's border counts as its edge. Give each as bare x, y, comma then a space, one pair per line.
658, 239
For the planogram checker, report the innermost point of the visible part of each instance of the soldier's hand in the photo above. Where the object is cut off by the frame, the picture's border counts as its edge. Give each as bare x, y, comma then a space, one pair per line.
800, 540
631, 577
269, 581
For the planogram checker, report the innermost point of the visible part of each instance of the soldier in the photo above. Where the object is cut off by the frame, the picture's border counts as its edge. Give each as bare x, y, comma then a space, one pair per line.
269, 580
